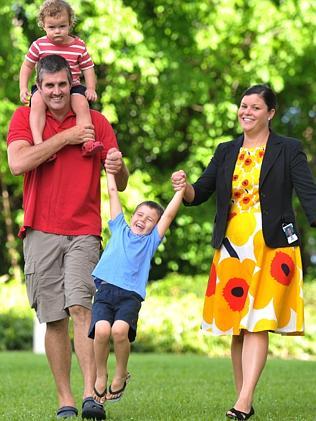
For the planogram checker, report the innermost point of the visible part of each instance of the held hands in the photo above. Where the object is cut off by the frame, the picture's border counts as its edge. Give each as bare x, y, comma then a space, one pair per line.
25, 96
179, 180
91, 95
113, 161
79, 134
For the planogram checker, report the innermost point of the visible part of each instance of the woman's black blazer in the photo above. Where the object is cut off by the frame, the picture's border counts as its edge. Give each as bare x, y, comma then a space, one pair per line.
284, 169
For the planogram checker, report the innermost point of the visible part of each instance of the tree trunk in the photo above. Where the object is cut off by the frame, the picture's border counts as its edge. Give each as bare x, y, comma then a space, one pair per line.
10, 240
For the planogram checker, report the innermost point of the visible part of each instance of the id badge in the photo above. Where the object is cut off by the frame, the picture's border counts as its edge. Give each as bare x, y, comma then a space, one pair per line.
289, 233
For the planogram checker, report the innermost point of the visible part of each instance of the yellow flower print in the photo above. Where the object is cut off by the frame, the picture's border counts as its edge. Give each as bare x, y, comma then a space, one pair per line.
240, 228
232, 300
278, 280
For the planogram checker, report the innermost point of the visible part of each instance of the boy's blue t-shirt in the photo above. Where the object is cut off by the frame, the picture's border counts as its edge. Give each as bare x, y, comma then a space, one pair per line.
125, 261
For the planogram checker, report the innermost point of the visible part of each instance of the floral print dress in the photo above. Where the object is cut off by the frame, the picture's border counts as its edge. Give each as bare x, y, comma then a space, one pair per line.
252, 286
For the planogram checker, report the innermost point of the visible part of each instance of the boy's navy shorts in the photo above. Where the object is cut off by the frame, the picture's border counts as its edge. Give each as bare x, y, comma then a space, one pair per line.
113, 303
76, 89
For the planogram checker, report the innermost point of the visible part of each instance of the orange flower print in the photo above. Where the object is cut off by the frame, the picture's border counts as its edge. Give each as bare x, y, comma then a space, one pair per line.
248, 164
245, 183
246, 202
260, 153
237, 193
282, 268
241, 156
210, 290
230, 301
235, 293
231, 215
235, 177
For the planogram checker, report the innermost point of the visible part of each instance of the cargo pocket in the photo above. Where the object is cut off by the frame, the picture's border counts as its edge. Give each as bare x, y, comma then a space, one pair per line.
31, 283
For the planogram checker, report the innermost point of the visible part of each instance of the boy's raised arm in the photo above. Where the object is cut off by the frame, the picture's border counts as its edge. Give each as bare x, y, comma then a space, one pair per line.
115, 204
170, 213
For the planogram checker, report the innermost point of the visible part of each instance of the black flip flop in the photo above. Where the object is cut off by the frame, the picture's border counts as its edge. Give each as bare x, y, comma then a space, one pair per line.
120, 391
100, 395
239, 415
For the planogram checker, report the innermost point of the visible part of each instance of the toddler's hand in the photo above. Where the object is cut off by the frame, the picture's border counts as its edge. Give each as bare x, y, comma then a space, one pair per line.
25, 96
179, 180
91, 95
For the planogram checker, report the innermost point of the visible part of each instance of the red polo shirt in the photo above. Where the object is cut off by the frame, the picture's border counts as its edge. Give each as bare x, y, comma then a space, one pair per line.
63, 196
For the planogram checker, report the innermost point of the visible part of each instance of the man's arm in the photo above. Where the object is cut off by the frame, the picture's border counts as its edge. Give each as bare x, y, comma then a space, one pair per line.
170, 213
114, 164
115, 204
24, 157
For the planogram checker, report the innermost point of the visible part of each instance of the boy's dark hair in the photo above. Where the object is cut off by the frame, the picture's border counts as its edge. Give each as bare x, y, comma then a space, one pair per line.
52, 64
53, 8
153, 205
265, 92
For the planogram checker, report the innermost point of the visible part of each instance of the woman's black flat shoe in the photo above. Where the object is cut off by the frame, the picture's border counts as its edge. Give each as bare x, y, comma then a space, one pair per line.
239, 415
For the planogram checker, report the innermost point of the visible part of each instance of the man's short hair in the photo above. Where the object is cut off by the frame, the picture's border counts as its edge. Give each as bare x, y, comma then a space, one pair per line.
52, 64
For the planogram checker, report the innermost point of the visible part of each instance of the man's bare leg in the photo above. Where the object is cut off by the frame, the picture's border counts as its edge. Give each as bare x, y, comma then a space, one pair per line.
58, 351
81, 317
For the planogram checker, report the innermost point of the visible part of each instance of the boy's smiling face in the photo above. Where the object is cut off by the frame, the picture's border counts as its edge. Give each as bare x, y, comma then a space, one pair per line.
144, 220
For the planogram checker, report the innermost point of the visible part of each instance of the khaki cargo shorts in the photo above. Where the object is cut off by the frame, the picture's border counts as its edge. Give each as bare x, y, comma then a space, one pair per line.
58, 272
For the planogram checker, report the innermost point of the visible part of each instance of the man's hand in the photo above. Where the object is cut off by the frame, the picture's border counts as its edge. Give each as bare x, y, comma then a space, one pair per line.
179, 180
113, 161
79, 134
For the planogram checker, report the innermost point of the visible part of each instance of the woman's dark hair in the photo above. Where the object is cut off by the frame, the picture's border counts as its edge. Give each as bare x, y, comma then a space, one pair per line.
265, 92
153, 205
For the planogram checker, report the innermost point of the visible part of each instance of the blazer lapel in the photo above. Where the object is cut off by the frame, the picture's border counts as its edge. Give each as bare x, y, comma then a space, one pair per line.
273, 148
230, 160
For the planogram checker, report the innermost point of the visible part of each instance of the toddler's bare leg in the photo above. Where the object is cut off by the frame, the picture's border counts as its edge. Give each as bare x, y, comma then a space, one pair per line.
37, 117
101, 353
122, 350
80, 107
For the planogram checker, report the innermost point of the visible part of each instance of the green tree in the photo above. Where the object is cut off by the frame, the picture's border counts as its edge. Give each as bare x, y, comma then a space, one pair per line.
170, 75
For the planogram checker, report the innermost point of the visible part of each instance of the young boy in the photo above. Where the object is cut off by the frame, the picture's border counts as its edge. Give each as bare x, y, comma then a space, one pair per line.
121, 277
57, 18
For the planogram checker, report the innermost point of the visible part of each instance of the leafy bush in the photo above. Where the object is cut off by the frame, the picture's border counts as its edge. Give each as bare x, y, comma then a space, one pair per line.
169, 321
16, 331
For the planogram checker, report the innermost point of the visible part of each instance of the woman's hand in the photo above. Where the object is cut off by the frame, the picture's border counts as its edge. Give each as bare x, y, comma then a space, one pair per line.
179, 180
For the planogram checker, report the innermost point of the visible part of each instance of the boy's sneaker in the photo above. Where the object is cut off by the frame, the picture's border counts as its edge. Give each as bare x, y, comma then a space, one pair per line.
91, 147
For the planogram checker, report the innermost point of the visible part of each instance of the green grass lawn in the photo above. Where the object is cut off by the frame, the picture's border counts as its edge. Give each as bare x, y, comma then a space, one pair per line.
163, 387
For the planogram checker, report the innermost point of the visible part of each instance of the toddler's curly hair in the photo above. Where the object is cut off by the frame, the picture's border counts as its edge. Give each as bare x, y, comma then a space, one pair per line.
52, 8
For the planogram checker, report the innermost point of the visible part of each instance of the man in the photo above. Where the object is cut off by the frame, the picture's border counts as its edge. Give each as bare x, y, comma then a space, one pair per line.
62, 224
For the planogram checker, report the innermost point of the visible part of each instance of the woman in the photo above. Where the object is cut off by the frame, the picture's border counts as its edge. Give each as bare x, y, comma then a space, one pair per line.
255, 283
